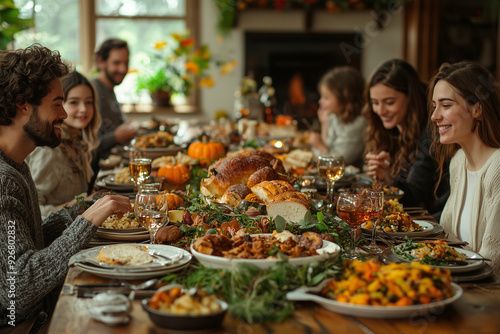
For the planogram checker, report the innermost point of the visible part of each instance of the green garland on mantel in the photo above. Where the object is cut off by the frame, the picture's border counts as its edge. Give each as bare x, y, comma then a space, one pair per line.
229, 8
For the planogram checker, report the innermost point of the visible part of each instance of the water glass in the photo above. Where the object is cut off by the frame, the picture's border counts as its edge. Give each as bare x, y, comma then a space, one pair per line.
151, 210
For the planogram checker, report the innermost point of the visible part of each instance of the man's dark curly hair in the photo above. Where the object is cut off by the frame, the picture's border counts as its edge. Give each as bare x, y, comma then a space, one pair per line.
25, 75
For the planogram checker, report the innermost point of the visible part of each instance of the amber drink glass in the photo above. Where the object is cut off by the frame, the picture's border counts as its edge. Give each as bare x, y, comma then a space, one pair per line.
355, 209
331, 169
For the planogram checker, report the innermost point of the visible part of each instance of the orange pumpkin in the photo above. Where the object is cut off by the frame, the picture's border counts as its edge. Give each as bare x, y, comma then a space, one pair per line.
175, 174
283, 120
174, 201
206, 152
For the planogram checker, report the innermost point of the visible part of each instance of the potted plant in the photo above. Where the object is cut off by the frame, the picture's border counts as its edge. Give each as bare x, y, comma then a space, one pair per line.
11, 23
175, 66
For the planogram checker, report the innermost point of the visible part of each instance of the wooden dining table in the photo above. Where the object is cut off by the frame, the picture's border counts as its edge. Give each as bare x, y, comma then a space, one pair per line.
477, 311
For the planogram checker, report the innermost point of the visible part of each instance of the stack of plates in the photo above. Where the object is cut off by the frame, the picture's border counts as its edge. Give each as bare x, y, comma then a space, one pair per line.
167, 259
126, 234
108, 182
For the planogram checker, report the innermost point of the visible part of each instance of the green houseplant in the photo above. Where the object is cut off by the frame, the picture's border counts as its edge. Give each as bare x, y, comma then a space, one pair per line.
11, 23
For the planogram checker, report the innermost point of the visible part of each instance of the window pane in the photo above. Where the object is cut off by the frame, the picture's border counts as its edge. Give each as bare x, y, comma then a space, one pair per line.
141, 36
56, 26
141, 7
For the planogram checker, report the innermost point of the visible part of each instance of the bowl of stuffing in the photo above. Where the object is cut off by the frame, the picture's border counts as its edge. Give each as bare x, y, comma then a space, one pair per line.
172, 307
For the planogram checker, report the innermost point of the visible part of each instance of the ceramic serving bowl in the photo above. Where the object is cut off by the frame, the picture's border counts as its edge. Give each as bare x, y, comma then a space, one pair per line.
185, 322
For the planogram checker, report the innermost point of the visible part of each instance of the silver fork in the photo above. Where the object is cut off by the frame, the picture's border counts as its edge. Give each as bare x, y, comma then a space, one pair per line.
169, 260
391, 239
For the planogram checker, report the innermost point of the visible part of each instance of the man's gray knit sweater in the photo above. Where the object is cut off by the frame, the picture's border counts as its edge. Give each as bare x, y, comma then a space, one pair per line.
33, 256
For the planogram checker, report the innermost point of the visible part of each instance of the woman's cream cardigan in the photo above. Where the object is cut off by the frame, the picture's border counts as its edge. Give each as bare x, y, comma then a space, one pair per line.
485, 211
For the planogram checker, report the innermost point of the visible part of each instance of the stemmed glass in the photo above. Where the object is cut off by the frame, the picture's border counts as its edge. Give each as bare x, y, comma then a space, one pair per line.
331, 168
355, 209
377, 204
140, 169
151, 210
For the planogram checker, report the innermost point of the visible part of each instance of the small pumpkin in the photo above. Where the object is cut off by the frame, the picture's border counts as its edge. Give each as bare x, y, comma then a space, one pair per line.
174, 201
175, 174
284, 120
206, 151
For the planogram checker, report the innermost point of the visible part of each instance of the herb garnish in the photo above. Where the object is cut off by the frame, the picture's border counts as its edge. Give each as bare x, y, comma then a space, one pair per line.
256, 295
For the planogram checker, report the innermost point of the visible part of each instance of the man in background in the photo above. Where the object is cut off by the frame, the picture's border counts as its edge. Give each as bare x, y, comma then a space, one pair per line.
112, 60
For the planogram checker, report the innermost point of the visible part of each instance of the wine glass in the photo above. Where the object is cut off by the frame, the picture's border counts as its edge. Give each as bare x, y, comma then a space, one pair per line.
331, 168
355, 209
151, 210
140, 169
377, 204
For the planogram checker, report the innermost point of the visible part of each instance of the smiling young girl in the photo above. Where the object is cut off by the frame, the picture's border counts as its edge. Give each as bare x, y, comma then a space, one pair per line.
466, 116
342, 125
397, 139
62, 173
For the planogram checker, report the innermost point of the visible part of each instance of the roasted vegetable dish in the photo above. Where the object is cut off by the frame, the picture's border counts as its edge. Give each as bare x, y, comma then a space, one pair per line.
397, 222
395, 284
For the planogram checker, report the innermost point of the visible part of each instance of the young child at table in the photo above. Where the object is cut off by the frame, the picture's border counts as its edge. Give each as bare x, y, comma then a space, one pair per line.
342, 125
62, 173
398, 141
466, 116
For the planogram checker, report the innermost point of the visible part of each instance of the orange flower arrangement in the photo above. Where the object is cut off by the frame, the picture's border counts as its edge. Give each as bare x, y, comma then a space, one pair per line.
176, 64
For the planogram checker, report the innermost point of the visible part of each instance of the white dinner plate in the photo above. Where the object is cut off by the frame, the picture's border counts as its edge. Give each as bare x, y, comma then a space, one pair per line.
109, 183
329, 249
398, 194
88, 259
137, 236
474, 275
381, 312
428, 228
129, 275
122, 230
472, 264
172, 150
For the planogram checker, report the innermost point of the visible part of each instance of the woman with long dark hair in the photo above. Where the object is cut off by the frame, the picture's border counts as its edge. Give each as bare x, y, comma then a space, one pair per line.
397, 138
466, 116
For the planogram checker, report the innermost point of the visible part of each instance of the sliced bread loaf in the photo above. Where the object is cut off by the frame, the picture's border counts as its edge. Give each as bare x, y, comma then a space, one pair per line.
125, 255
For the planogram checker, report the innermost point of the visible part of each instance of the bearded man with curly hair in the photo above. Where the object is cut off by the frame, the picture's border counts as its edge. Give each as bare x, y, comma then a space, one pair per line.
34, 254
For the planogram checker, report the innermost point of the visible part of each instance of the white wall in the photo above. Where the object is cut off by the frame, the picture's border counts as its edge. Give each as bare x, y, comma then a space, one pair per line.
377, 47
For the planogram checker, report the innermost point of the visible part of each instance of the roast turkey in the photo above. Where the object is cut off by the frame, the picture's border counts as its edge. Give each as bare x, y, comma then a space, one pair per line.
240, 169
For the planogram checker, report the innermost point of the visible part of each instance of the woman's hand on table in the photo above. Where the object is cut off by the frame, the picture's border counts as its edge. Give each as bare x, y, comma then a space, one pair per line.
105, 206
378, 165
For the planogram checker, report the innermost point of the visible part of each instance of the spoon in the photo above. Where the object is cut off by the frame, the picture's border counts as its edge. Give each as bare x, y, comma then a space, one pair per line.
142, 286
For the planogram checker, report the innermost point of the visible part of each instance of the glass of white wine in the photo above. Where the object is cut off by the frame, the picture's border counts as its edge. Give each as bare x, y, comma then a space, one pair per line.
151, 210
331, 168
140, 169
